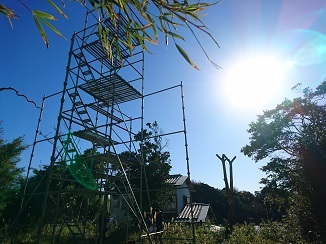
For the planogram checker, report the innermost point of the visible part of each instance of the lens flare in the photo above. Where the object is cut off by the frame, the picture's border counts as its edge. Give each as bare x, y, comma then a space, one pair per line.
313, 52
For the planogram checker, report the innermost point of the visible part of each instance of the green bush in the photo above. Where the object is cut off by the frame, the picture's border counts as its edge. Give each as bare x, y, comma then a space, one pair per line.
182, 233
270, 232
245, 234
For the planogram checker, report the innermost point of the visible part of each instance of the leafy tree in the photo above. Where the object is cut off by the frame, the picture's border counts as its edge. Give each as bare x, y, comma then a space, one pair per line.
278, 185
294, 135
217, 199
157, 166
10, 174
145, 19
11, 180
248, 207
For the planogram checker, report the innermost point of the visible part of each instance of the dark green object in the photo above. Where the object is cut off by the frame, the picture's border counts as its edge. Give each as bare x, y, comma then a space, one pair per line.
77, 164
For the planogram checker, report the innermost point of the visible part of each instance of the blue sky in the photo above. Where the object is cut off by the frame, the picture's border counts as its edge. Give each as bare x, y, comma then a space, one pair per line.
282, 43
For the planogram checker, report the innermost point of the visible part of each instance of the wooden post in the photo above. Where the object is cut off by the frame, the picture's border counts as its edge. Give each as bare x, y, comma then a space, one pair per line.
229, 189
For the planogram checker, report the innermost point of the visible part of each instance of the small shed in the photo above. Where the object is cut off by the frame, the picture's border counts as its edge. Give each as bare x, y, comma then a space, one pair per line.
202, 213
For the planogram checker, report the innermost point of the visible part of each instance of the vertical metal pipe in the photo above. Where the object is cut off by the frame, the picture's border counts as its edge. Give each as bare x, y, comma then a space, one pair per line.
109, 121
33, 149
187, 160
56, 137
142, 166
142, 127
16, 221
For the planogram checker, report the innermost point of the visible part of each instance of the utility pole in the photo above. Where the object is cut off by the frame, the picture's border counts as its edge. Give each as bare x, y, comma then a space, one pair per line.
229, 189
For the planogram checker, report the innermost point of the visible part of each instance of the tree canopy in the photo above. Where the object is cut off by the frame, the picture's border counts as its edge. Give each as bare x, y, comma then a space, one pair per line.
290, 126
248, 207
145, 20
10, 173
293, 135
157, 166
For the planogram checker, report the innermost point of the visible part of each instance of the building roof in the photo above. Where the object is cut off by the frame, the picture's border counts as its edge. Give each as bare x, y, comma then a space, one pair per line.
200, 212
176, 180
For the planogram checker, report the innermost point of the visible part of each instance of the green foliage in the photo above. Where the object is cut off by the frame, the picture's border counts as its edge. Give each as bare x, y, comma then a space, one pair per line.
278, 232
11, 180
182, 233
267, 233
270, 232
244, 234
145, 19
157, 166
277, 187
248, 207
204, 193
186, 57
10, 174
42, 17
9, 13
117, 233
294, 136
301, 121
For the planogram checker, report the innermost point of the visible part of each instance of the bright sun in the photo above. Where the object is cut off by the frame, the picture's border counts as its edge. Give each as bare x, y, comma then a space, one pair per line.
253, 82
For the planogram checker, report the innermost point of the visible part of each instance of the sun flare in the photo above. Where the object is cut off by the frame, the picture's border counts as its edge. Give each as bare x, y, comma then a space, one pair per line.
253, 82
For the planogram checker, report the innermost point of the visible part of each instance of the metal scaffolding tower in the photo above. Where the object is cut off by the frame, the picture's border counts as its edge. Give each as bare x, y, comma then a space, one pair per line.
91, 116
101, 111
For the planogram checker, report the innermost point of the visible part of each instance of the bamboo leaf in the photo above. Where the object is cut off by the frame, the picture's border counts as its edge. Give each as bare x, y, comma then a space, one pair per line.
168, 14
138, 27
52, 27
99, 31
41, 30
144, 6
191, 8
141, 41
153, 26
162, 25
8, 12
43, 15
175, 35
129, 37
57, 8
122, 4
106, 39
169, 21
176, 5
186, 57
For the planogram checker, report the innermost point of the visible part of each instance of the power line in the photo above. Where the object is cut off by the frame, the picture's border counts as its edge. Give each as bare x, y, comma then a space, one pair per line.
20, 95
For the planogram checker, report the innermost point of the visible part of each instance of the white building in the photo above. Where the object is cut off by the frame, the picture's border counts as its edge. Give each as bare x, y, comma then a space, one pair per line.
180, 196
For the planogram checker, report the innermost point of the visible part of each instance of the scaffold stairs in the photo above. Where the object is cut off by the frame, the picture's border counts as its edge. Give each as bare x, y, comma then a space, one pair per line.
80, 109
84, 67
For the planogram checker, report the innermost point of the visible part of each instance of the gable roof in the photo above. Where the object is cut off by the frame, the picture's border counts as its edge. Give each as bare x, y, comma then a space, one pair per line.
176, 180
200, 212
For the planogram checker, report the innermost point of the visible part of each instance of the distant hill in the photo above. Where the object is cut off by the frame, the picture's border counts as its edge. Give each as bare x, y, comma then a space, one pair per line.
248, 207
